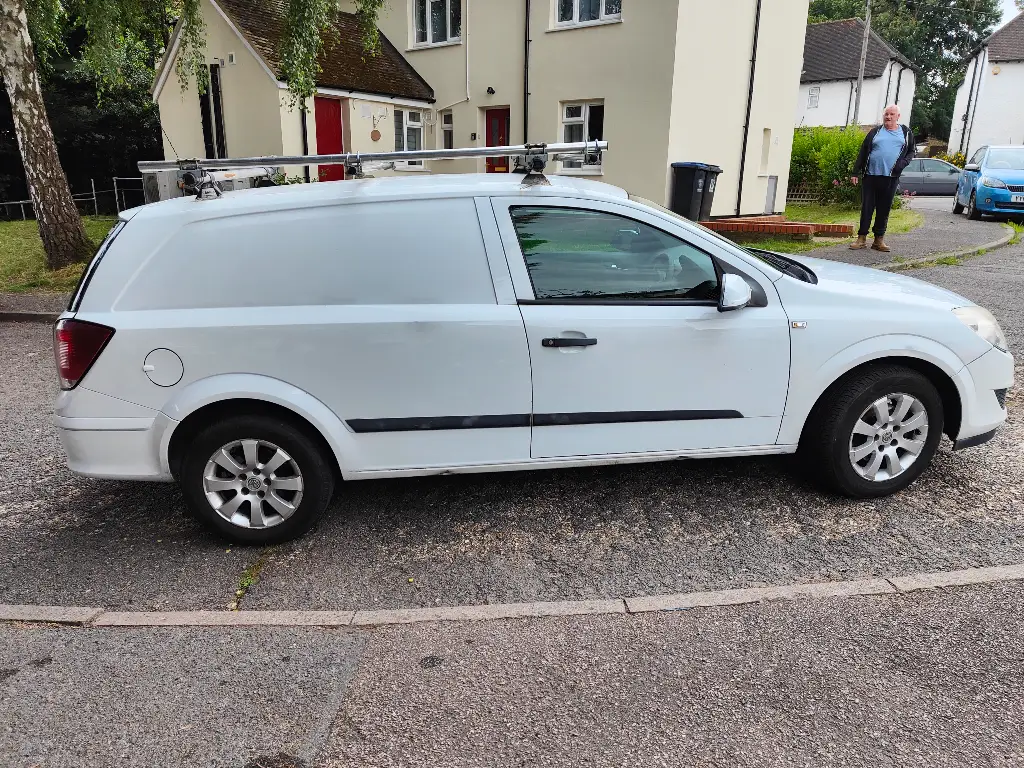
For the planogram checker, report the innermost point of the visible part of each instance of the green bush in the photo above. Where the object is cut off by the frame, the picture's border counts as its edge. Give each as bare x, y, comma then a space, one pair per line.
823, 160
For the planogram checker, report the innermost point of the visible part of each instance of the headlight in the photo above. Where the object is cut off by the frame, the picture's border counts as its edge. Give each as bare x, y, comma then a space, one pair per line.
984, 324
988, 181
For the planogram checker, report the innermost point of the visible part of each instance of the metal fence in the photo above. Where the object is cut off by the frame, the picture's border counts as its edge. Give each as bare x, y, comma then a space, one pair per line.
126, 192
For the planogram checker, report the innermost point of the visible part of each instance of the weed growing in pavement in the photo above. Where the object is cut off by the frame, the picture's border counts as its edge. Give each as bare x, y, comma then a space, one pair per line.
1018, 230
249, 577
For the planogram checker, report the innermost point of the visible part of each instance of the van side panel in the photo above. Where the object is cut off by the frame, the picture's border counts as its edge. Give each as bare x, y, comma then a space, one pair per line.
384, 312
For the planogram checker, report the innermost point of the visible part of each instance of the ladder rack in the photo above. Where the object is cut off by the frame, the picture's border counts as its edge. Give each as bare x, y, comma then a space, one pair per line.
530, 158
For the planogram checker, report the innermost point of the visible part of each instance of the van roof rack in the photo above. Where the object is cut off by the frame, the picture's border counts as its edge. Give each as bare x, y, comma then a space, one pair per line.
530, 158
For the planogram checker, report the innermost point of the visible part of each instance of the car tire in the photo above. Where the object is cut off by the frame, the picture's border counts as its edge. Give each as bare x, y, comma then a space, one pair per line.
957, 207
835, 432
291, 477
972, 209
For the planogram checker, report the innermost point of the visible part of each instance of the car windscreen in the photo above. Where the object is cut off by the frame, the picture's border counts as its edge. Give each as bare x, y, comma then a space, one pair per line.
1005, 159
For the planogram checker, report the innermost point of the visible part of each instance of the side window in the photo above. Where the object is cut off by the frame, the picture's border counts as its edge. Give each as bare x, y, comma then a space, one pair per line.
978, 155
914, 167
934, 166
577, 255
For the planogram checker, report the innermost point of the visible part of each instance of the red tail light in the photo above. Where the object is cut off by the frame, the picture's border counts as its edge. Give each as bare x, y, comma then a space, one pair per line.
76, 345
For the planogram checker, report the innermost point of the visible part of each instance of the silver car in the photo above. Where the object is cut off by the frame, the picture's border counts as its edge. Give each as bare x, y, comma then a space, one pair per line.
929, 176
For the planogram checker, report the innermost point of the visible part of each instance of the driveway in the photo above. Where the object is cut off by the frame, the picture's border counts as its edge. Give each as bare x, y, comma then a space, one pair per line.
554, 535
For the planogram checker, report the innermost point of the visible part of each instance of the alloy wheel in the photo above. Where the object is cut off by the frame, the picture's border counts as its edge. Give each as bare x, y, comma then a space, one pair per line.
253, 484
888, 437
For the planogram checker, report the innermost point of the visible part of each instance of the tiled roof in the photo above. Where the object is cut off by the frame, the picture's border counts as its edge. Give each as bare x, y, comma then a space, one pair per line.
1007, 44
262, 22
832, 52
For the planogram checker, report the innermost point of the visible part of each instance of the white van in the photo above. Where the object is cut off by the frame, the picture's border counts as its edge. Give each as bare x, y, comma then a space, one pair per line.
263, 346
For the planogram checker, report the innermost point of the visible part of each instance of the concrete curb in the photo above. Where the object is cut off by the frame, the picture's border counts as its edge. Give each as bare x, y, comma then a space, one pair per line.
11, 316
962, 253
896, 585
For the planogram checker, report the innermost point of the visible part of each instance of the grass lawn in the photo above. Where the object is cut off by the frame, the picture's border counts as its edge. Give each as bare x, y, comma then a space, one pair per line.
901, 221
23, 266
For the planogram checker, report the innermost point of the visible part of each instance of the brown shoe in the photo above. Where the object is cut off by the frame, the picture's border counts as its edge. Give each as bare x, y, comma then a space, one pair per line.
879, 245
861, 244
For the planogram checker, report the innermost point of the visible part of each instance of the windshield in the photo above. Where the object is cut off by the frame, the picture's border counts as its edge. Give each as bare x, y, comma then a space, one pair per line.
1006, 159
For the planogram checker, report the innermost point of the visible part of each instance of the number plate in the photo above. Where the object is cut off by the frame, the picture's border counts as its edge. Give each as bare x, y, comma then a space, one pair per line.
1017, 198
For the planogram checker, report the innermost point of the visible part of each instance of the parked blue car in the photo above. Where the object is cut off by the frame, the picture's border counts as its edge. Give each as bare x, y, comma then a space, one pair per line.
992, 183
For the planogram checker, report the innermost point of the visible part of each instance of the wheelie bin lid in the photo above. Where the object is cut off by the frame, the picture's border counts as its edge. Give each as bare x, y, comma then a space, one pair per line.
698, 166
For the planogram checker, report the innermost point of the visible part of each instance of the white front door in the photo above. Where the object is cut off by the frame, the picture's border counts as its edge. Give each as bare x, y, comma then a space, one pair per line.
628, 349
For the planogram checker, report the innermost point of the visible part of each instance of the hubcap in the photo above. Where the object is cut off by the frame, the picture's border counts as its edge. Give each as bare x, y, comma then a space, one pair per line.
888, 437
253, 484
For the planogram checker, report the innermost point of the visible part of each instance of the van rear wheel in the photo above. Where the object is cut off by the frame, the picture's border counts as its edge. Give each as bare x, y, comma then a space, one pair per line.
256, 479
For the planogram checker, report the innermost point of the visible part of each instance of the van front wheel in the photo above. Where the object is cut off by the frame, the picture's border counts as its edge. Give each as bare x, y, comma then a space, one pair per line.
256, 480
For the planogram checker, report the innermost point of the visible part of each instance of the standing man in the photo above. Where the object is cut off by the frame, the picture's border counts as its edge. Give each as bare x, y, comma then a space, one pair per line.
886, 151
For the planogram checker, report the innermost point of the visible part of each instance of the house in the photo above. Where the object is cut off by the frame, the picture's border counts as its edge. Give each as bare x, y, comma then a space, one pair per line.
245, 111
989, 108
828, 83
665, 81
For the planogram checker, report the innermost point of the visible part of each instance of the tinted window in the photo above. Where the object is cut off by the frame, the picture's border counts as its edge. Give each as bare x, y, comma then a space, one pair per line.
574, 254
936, 166
913, 167
978, 155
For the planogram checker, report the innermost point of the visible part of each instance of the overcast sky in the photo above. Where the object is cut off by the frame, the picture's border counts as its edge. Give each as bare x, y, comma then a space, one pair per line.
1009, 10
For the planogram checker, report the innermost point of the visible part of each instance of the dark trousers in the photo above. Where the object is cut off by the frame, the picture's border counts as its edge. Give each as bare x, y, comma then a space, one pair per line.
876, 193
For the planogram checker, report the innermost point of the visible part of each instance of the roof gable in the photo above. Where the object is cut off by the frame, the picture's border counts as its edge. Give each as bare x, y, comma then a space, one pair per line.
832, 52
1007, 43
261, 25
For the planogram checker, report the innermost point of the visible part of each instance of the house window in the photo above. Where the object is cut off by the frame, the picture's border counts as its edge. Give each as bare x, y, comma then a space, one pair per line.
813, 94
583, 122
211, 111
571, 12
409, 133
447, 130
437, 21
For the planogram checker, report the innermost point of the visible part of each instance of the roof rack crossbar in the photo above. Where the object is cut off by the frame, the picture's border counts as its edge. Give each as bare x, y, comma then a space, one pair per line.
533, 156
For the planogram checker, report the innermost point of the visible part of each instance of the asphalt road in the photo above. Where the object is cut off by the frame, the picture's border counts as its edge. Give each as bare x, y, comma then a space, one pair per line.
573, 534
926, 679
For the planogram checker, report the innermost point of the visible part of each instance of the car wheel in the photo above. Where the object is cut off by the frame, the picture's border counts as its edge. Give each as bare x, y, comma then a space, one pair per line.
876, 433
957, 207
256, 479
972, 209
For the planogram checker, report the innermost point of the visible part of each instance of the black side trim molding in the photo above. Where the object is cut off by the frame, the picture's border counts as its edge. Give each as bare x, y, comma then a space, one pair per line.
439, 423
436, 423
628, 417
971, 442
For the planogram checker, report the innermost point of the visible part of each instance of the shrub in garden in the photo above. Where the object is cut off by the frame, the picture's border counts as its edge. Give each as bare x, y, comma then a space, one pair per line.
823, 160
958, 159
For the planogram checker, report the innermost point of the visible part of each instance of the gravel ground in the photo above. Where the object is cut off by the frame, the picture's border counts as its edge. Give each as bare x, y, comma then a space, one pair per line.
33, 302
929, 679
942, 232
629, 530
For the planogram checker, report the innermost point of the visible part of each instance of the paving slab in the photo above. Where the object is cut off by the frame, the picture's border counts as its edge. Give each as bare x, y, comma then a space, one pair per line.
927, 679
95, 698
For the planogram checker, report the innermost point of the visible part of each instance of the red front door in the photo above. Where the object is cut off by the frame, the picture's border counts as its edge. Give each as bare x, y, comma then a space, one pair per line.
328, 136
497, 121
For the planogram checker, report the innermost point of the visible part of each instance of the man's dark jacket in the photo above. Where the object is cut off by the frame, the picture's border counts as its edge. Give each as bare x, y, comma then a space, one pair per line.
909, 152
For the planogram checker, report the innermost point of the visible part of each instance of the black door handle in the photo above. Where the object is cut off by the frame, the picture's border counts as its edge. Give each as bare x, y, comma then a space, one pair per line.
568, 342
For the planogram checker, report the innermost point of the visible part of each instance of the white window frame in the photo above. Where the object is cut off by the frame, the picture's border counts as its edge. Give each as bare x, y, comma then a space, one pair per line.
429, 42
408, 165
447, 122
813, 97
588, 169
603, 18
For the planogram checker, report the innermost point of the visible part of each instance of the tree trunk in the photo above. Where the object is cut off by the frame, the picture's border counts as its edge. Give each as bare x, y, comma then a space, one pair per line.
60, 226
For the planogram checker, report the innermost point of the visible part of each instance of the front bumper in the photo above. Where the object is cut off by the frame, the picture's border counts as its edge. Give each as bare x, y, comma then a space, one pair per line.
982, 412
997, 201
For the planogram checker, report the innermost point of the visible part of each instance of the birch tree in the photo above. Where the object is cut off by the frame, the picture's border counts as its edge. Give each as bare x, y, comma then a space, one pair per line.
32, 30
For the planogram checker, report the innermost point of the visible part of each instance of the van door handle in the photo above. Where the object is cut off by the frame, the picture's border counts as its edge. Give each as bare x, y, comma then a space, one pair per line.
568, 342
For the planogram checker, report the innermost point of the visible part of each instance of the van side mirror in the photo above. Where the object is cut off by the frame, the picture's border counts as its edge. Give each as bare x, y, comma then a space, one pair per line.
972, 167
736, 293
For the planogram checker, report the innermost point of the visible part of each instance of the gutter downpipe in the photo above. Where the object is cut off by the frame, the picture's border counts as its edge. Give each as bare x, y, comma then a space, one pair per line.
849, 102
977, 98
465, 44
305, 142
526, 76
750, 104
888, 84
899, 84
970, 98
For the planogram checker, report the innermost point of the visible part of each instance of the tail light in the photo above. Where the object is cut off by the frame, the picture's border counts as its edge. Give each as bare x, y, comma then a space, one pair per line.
76, 345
